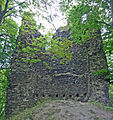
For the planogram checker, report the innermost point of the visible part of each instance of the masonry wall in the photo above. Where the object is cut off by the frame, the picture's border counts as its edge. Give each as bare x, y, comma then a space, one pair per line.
28, 83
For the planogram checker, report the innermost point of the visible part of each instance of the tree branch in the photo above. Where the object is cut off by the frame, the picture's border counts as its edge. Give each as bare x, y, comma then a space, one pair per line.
14, 7
4, 35
2, 13
0, 9
6, 10
104, 23
2, 68
111, 3
6, 6
7, 15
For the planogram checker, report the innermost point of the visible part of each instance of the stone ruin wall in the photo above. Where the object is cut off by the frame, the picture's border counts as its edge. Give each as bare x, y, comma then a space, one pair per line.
28, 83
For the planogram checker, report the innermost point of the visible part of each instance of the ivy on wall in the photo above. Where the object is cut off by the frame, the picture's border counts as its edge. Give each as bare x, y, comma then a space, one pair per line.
38, 49
86, 18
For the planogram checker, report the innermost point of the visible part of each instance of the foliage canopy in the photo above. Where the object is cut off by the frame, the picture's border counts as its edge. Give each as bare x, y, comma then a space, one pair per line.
90, 16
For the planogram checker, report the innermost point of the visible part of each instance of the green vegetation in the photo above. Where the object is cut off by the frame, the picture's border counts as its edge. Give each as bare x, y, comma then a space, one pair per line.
99, 105
30, 113
8, 33
106, 73
110, 108
111, 95
38, 49
84, 18
102, 72
3, 87
27, 113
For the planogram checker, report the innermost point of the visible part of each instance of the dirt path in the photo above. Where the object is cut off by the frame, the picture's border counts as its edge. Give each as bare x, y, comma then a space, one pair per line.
64, 110
71, 110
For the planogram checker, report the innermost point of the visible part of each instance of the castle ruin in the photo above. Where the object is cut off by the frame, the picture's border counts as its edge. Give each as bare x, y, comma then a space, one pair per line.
29, 83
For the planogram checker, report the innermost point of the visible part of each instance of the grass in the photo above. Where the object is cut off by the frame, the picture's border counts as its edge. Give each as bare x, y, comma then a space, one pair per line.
102, 106
27, 113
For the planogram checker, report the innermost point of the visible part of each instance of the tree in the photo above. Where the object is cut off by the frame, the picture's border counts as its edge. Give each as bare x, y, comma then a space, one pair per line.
8, 33
14, 7
38, 49
90, 15
3, 88
8, 8
9, 28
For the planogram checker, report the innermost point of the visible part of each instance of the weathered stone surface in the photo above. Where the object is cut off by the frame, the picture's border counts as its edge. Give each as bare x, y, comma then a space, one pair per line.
65, 110
29, 83
22, 81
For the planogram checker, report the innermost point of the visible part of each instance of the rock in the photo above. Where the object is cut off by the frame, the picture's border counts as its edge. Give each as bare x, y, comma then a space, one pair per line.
65, 110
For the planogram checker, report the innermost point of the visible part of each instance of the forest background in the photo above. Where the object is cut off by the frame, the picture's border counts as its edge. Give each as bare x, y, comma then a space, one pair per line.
82, 17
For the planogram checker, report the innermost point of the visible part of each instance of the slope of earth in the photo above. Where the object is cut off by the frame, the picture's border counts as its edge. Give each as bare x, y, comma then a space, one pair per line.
65, 110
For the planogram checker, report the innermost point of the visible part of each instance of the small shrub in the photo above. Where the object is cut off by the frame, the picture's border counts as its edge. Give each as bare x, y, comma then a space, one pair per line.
111, 95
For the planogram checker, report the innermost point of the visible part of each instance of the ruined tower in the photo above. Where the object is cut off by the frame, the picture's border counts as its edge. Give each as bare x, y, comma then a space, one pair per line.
29, 83
22, 79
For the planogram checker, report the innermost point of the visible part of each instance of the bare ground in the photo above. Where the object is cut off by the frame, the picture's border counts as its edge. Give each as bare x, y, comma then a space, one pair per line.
68, 110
